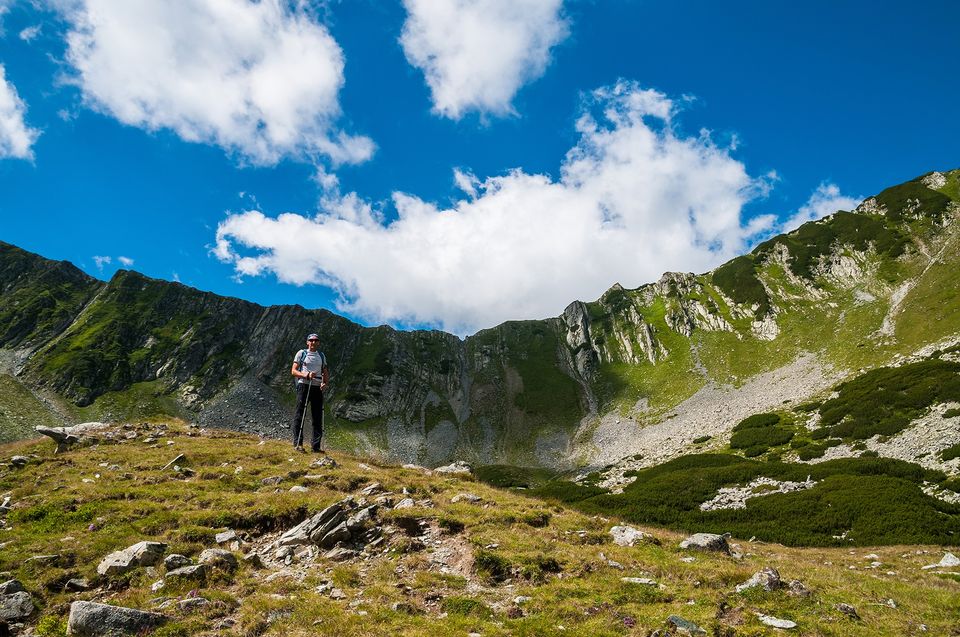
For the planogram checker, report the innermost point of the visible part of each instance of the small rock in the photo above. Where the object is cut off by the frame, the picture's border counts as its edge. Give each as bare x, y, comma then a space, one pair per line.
174, 561
15, 606
767, 577
336, 593
226, 536
192, 603
520, 600
645, 581
11, 586
798, 589
629, 536
218, 558
42, 559
847, 610
77, 585
253, 559
684, 626
297, 488
140, 554
194, 573
454, 468
466, 497
406, 503
371, 489
340, 554
776, 622
325, 461
949, 561
19, 461
706, 542
90, 619
272, 481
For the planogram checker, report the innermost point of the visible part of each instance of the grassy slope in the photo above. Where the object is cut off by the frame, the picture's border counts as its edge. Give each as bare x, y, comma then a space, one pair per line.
55, 508
20, 411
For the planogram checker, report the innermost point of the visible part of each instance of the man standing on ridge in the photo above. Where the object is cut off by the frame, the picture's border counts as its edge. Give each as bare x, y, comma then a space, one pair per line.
310, 369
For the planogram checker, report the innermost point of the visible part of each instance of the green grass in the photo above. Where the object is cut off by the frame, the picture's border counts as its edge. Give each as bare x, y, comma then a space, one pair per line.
21, 411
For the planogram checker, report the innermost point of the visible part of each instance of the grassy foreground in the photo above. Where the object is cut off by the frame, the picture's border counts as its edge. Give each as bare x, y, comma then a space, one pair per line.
463, 570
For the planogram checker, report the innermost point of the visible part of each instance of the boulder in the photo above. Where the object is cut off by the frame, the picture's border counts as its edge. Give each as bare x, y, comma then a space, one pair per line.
706, 542
140, 554
77, 585
685, 626
358, 520
19, 461
406, 503
767, 577
11, 586
226, 536
301, 533
466, 497
90, 619
629, 536
218, 558
847, 610
776, 622
339, 533
949, 560
15, 606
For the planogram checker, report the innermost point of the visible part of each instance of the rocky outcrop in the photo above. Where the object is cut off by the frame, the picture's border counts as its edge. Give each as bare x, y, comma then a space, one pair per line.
140, 554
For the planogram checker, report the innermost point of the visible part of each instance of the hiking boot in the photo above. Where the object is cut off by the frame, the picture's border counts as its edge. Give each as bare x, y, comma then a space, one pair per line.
319, 450
300, 449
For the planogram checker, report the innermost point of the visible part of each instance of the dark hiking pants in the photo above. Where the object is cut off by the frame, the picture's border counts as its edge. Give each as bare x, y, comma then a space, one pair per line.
315, 399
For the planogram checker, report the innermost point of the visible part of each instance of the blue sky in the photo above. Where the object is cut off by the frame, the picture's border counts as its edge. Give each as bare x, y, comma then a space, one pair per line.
454, 163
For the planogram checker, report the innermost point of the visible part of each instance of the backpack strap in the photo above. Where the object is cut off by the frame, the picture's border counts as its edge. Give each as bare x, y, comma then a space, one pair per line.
301, 356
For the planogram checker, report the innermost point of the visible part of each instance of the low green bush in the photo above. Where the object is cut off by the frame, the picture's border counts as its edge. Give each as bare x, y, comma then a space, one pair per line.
950, 453
952, 413
701, 439
766, 437
757, 421
811, 451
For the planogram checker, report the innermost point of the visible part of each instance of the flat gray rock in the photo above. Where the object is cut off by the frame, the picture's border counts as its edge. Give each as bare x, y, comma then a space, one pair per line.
90, 619
140, 554
767, 578
456, 467
776, 622
174, 561
194, 573
629, 536
15, 606
219, 558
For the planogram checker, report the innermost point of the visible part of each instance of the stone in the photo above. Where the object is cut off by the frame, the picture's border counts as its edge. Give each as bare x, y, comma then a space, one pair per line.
15, 606
466, 497
11, 586
218, 558
340, 554
798, 589
706, 542
19, 461
77, 585
60, 435
253, 559
949, 561
297, 488
406, 503
371, 489
192, 603
629, 536
339, 533
644, 581
140, 554
226, 536
767, 577
272, 481
776, 622
459, 466
302, 533
193, 573
847, 610
358, 520
685, 626
337, 594
174, 561
90, 619
326, 461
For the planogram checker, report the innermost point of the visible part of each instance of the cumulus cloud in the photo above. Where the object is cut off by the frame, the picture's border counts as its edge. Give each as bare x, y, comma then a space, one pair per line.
16, 138
101, 261
125, 261
825, 200
260, 79
476, 54
634, 198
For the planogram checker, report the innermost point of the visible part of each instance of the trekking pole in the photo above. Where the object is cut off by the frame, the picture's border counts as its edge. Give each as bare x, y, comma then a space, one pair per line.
306, 401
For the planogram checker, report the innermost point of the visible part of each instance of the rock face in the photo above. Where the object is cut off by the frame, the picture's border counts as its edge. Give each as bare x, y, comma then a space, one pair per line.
15, 606
90, 619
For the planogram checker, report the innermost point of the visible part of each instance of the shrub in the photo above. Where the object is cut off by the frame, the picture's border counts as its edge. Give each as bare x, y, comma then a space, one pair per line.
766, 437
753, 452
536, 519
952, 413
738, 280
950, 453
811, 451
869, 453
757, 421
820, 433
466, 607
885, 400
701, 439
491, 566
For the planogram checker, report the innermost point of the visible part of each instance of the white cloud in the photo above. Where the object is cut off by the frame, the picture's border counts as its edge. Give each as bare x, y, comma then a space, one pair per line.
257, 78
101, 261
125, 261
634, 198
16, 138
825, 200
30, 33
476, 54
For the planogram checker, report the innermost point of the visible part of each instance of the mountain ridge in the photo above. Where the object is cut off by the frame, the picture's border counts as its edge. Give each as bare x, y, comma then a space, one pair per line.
524, 392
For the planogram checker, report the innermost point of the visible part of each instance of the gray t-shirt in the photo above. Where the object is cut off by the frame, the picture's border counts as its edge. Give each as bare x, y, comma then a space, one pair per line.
312, 362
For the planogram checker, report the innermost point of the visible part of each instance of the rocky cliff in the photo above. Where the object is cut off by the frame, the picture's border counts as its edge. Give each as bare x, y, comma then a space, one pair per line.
843, 293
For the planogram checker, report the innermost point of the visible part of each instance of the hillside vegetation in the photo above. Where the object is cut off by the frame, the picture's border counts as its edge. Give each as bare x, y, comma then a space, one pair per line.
493, 561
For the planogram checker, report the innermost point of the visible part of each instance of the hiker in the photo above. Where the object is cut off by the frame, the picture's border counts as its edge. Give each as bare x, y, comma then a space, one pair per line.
310, 369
